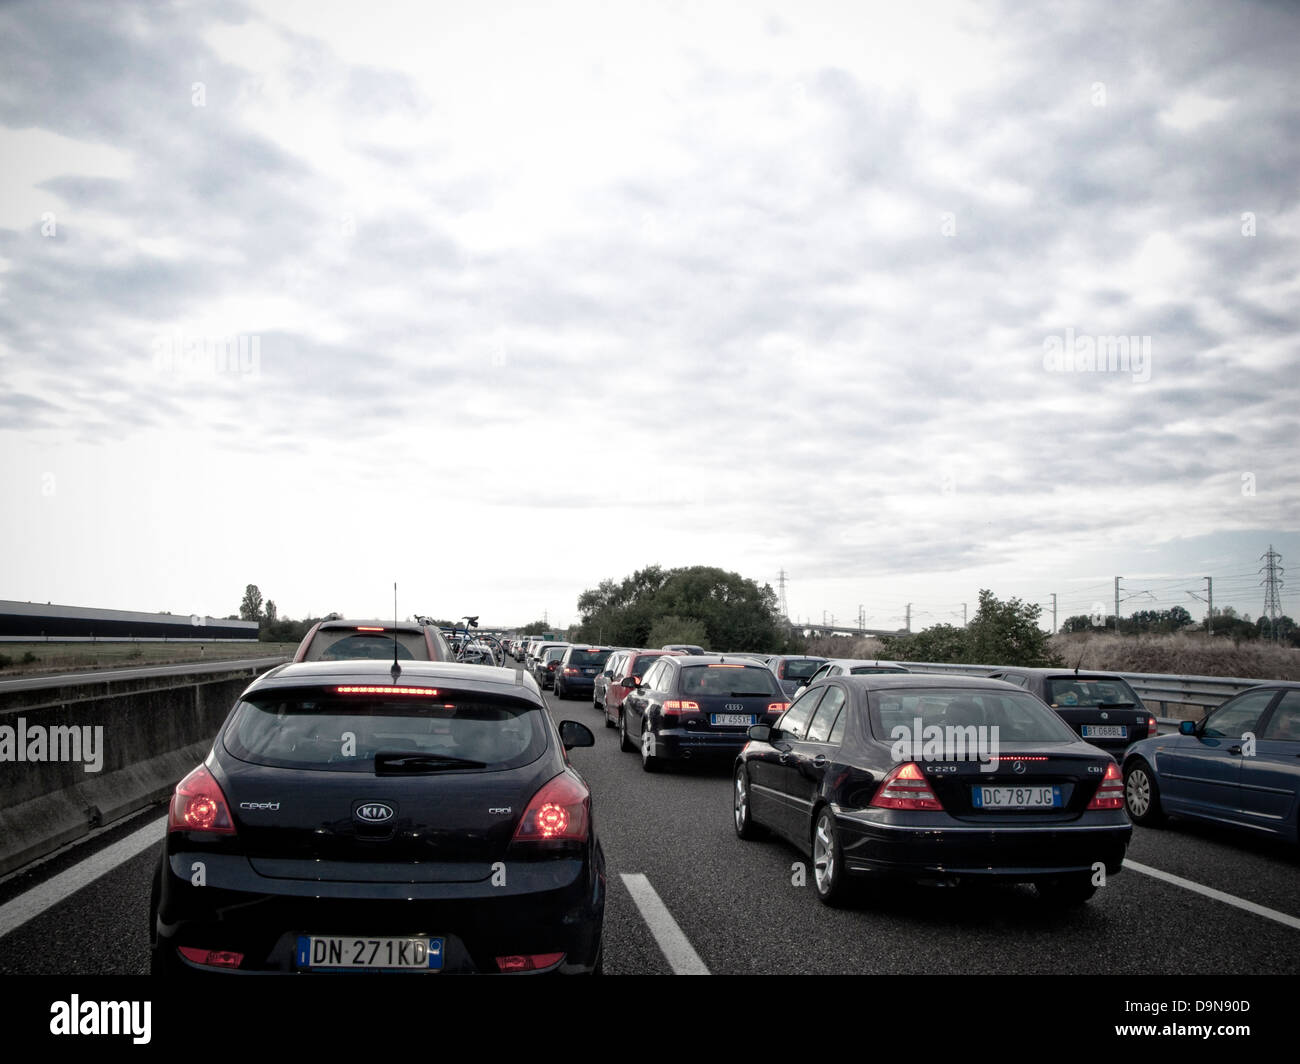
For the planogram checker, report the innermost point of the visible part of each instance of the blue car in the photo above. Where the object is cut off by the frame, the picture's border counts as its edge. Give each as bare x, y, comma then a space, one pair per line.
1239, 766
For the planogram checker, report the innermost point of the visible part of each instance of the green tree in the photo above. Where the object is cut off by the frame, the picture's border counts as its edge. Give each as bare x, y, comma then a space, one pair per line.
1007, 633
536, 628
251, 608
735, 612
938, 643
672, 629
268, 614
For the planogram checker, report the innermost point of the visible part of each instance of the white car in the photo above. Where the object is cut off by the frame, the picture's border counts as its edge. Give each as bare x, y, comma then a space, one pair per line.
851, 667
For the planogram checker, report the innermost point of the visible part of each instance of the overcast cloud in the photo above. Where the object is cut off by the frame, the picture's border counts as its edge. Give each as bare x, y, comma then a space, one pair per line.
498, 301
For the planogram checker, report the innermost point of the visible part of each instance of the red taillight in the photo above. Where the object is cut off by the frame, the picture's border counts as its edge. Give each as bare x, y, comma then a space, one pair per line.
199, 805
560, 810
905, 788
1110, 795
374, 690
777, 707
1153, 726
368, 628
570, 671
530, 962
551, 666
213, 958
674, 707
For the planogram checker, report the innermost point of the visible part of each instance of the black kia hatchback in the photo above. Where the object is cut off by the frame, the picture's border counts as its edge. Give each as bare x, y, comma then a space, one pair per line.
938, 779
347, 821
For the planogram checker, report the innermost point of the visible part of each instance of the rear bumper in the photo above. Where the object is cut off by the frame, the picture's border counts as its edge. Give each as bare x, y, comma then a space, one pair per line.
688, 743
538, 908
948, 852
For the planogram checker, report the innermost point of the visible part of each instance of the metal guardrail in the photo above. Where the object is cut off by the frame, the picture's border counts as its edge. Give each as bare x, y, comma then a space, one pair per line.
1205, 692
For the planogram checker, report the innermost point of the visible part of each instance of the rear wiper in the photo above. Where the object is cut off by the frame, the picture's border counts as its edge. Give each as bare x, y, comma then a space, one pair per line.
396, 764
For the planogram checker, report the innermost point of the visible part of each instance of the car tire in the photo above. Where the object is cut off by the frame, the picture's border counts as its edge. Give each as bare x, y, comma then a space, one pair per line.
649, 762
1142, 794
559, 690
624, 743
829, 875
742, 817
608, 723
1067, 891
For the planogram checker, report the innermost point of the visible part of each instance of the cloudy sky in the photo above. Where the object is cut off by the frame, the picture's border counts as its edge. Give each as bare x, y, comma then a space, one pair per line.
500, 300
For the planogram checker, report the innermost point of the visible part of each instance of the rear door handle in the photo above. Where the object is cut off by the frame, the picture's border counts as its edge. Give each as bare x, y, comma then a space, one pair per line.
1234, 749
819, 760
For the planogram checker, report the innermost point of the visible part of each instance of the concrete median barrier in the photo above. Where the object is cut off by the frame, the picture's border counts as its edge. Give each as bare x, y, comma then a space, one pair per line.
75, 758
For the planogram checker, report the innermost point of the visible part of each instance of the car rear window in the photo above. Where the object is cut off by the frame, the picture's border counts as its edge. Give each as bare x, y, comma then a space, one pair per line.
1019, 717
872, 670
801, 669
344, 733
589, 657
729, 680
642, 663
1075, 691
347, 644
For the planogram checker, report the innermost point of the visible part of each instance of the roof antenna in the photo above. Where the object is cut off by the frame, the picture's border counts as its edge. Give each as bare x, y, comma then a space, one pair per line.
396, 670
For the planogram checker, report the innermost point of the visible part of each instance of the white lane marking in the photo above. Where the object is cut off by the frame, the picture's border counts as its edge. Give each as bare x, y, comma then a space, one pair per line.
677, 949
31, 904
1217, 895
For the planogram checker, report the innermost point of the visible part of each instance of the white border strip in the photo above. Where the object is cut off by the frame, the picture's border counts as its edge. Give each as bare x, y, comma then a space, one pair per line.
54, 890
677, 949
1217, 895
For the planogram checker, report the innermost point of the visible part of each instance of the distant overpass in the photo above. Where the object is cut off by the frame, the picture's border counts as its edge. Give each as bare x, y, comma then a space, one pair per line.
844, 629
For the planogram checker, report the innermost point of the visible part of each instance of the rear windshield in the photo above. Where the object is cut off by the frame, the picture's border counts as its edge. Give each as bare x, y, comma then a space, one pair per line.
346, 644
801, 669
589, 657
1018, 716
344, 733
729, 680
872, 670
1084, 692
640, 665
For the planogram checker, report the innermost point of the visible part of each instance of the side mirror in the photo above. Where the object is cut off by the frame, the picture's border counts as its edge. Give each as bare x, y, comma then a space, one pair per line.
760, 733
1187, 727
631, 683
574, 734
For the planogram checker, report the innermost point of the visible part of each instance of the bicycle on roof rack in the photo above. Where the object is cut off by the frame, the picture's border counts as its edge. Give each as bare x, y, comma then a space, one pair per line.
478, 648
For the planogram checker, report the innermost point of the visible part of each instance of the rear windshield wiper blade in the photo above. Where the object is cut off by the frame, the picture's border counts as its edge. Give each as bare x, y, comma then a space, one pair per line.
396, 764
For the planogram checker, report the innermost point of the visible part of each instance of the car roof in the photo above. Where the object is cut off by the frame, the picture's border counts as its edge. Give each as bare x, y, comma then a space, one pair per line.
401, 626
850, 662
887, 680
1064, 670
484, 678
714, 659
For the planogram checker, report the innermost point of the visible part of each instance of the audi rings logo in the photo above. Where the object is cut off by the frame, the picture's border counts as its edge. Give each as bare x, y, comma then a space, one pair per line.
374, 812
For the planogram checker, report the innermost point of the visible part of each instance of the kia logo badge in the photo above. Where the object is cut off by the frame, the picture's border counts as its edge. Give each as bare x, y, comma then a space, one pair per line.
374, 812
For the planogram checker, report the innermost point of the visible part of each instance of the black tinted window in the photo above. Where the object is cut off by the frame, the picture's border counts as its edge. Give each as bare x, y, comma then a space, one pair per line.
344, 733
729, 680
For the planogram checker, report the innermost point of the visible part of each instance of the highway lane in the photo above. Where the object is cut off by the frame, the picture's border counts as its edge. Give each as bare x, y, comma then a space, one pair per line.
738, 909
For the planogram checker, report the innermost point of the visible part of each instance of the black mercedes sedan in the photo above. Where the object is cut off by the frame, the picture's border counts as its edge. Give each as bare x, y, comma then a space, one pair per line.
938, 779
353, 817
